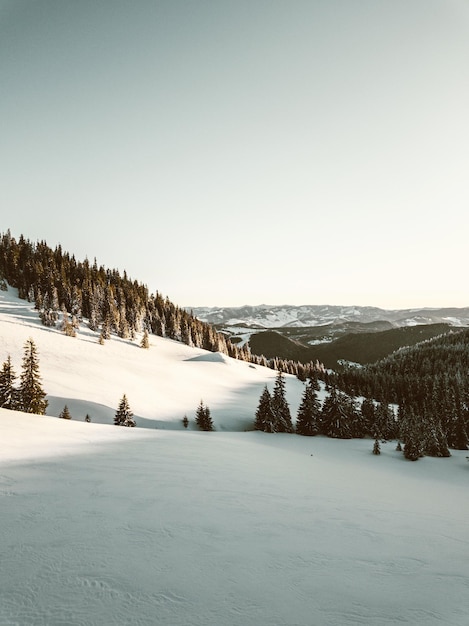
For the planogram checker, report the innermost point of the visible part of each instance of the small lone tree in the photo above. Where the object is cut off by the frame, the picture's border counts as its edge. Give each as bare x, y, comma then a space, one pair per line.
32, 396
376, 447
145, 343
87, 418
185, 421
65, 413
8, 392
202, 418
124, 416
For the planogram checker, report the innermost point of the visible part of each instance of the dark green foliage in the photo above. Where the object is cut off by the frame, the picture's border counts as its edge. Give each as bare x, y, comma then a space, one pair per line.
264, 416
368, 415
203, 418
31, 394
8, 393
428, 381
65, 413
185, 421
355, 346
309, 411
412, 435
337, 415
280, 408
459, 431
385, 424
376, 447
124, 416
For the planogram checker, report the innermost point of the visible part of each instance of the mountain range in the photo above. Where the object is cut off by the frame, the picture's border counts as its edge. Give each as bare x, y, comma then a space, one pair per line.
281, 316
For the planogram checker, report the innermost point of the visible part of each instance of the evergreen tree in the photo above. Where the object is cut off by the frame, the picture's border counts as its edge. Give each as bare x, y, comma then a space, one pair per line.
32, 396
67, 327
185, 421
280, 408
124, 416
368, 414
459, 436
376, 447
203, 418
65, 413
8, 393
264, 416
145, 343
413, 440
335, 416
309, 412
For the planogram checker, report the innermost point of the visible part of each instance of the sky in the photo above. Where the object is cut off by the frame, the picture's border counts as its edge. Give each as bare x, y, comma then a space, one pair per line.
244, 152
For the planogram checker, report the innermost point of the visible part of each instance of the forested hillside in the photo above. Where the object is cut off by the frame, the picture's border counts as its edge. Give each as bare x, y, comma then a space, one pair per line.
429, 382
65, 291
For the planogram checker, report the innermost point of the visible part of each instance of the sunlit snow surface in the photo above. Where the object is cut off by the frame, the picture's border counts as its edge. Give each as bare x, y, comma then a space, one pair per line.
103, 525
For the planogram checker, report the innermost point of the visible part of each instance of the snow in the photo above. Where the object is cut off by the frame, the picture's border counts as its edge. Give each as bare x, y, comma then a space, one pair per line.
104, 525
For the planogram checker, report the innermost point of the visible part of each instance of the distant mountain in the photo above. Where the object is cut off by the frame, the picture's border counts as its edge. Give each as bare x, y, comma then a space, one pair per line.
331, 334
266, 316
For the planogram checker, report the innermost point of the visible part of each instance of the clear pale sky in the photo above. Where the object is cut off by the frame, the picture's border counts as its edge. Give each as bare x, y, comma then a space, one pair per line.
244, 151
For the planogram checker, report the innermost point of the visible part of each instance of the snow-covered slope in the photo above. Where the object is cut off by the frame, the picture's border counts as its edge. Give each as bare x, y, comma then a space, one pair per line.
104, 525
266, 316
162, 384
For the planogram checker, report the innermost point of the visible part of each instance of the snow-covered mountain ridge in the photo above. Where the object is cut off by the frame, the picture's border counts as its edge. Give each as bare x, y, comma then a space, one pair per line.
278, 316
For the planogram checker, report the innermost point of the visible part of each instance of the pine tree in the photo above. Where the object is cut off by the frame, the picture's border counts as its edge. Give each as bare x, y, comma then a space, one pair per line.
8, 393
185, 421
145, 343
203, 418
459, 436
335, 417
309, 412
368, 413
280, 408
264, 417
32, 396
65, 413
124, 416
376, 447
413, 445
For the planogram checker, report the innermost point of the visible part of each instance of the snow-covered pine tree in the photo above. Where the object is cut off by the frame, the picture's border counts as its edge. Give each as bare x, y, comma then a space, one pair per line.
8, 393
280, 408
309, 411
145, 343
124, 416
67, 326
31, 394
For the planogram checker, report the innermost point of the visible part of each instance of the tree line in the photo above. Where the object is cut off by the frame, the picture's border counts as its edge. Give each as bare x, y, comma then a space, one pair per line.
68, 291
343, 416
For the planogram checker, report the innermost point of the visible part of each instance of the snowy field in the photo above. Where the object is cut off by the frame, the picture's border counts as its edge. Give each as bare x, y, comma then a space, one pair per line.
103, 525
